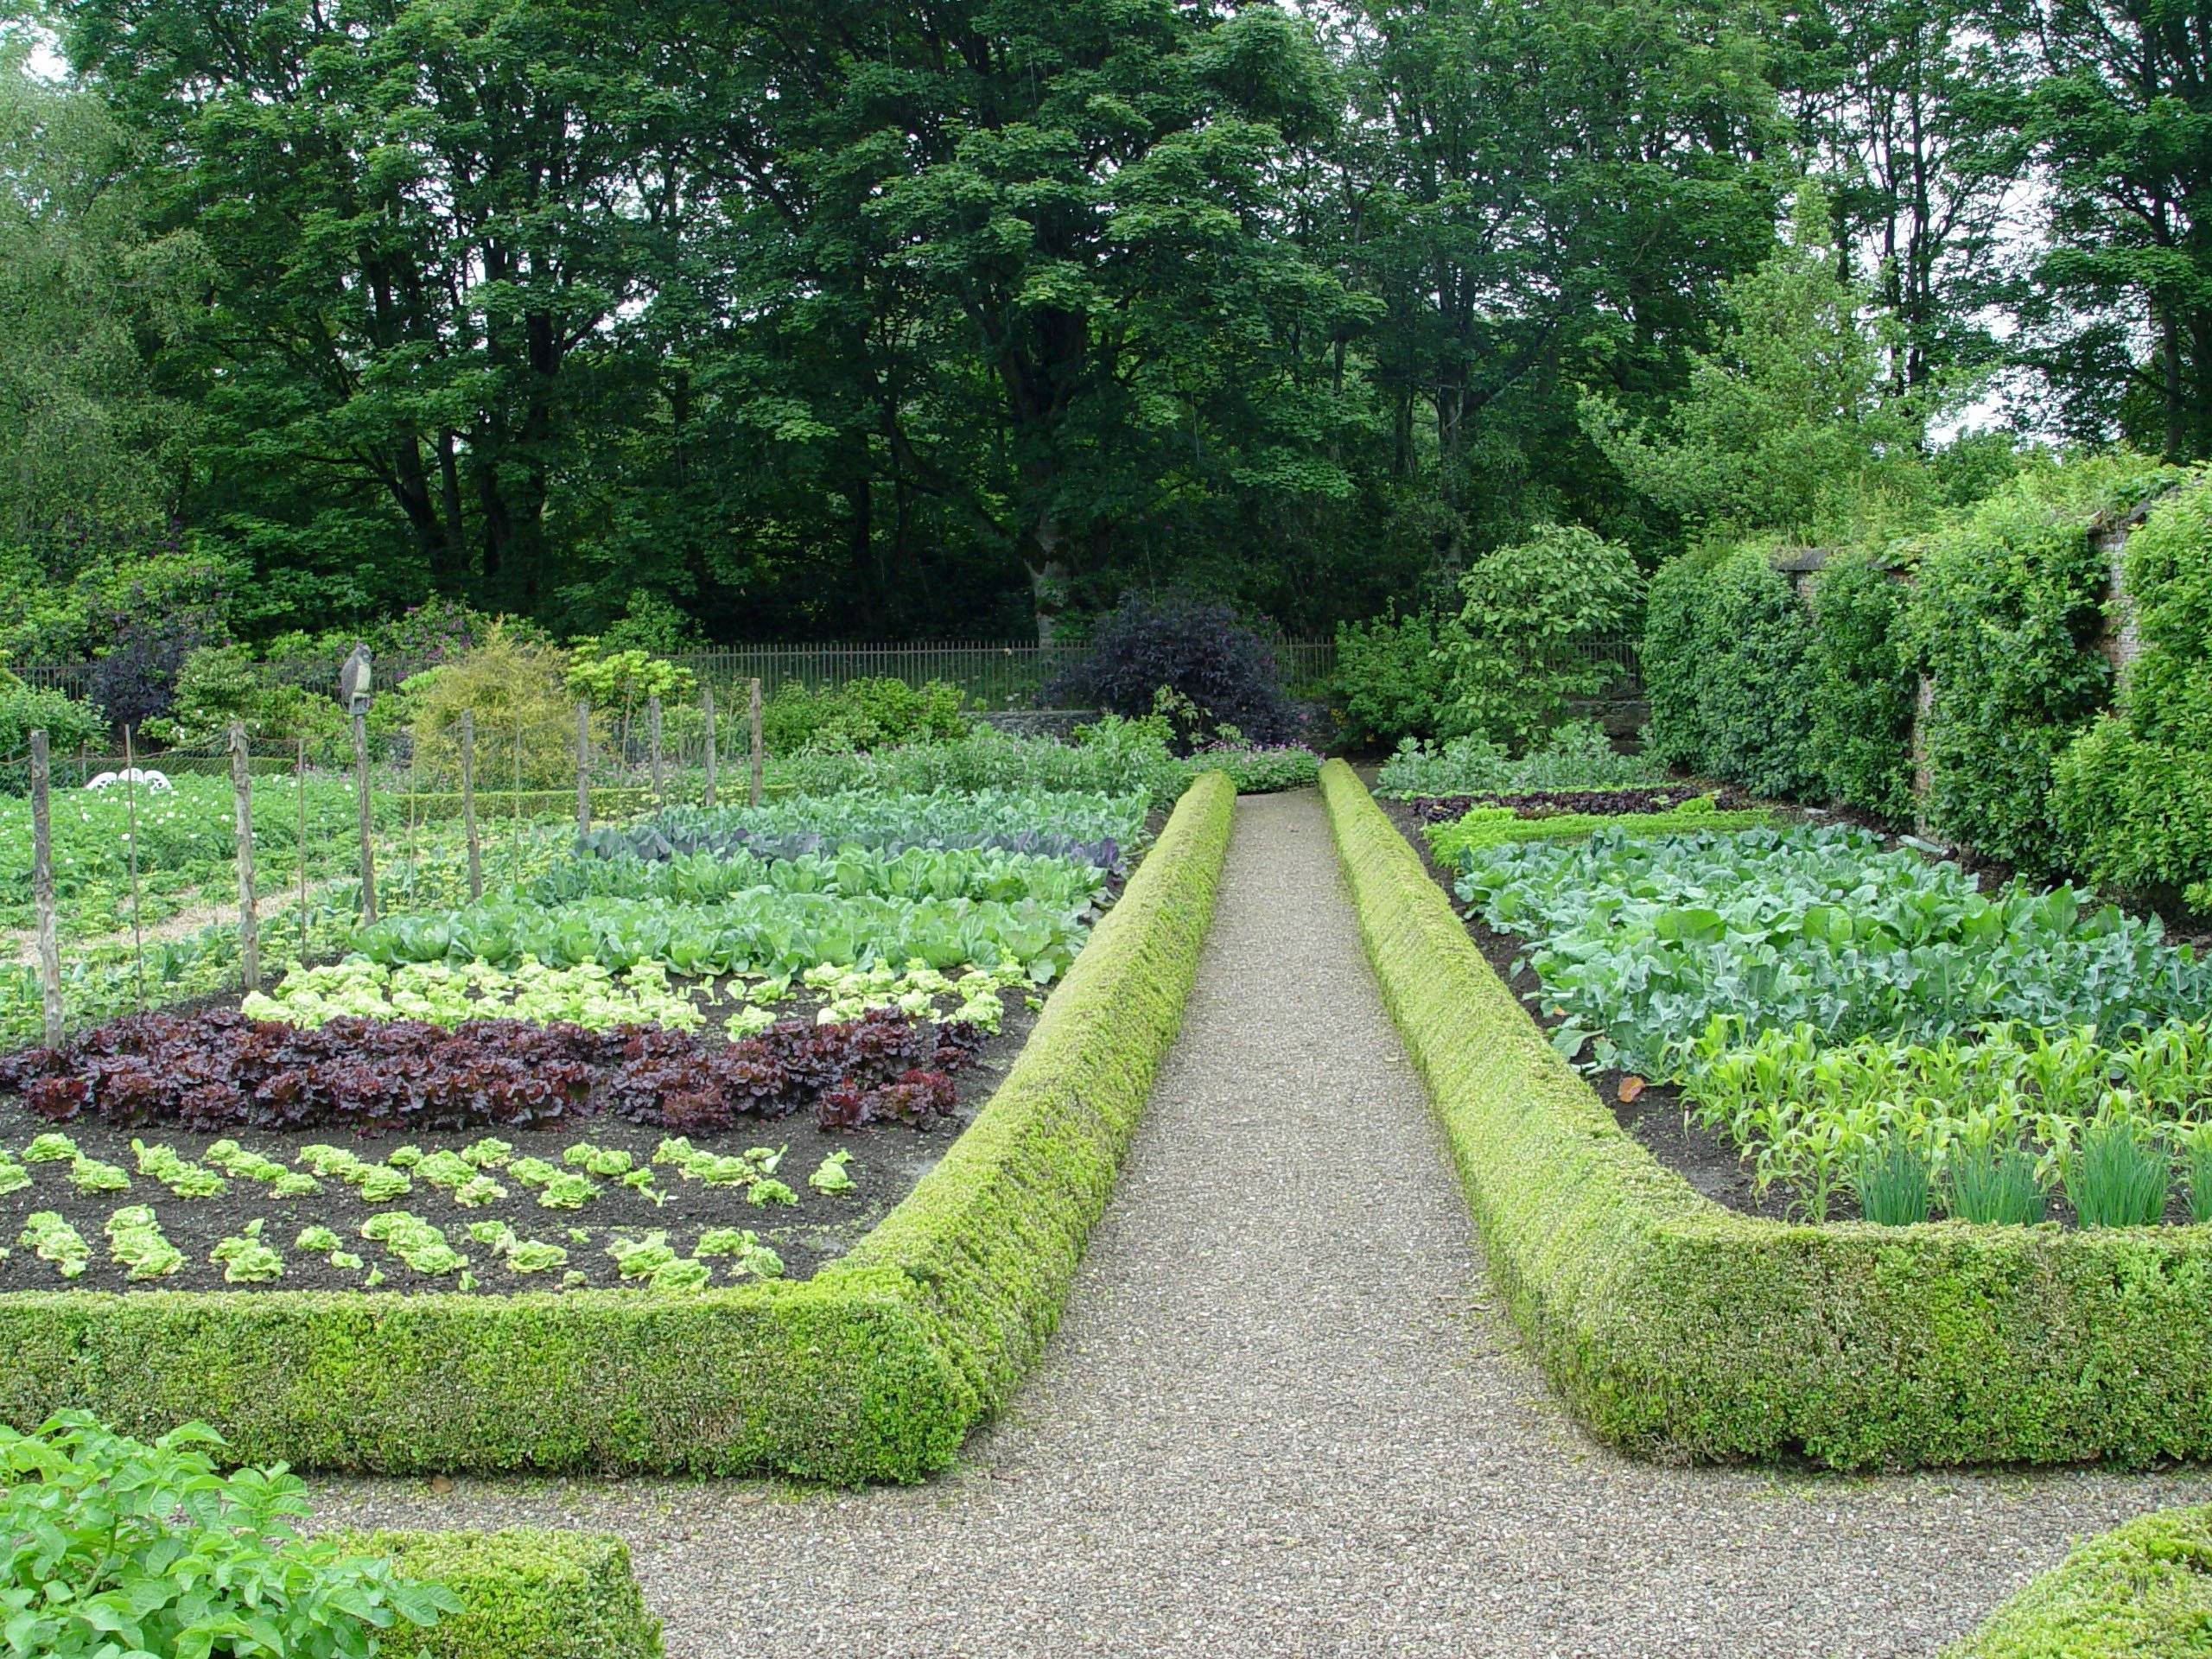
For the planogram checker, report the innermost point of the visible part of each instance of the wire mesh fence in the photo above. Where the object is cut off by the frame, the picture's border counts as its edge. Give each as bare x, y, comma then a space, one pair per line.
128, 882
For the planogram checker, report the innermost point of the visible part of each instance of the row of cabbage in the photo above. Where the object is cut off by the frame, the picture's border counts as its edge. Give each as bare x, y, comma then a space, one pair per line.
1861, 1018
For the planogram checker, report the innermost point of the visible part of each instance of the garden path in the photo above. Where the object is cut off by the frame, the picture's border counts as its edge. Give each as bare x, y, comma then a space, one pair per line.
1286, 1415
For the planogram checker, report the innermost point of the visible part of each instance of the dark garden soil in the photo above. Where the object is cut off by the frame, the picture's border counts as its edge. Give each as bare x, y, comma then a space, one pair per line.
887, 1161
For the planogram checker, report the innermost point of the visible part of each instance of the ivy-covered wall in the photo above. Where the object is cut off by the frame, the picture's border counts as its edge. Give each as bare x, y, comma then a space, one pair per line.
2028, 743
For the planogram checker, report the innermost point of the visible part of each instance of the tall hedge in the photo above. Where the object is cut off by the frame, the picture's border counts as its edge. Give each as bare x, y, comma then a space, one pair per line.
2132, 795
1726, 659
2005, 617
1859, 748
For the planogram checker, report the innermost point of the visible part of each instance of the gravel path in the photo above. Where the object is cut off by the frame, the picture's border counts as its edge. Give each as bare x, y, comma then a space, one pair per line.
1284, 1417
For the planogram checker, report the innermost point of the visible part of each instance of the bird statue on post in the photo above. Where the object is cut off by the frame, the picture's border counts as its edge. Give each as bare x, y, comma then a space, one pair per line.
353, 681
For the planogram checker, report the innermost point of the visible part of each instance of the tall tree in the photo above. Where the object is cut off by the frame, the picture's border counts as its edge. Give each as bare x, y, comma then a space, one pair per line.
2118, 115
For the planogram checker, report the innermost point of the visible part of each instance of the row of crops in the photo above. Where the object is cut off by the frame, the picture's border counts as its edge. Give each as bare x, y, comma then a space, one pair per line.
792, 974
1871, 1027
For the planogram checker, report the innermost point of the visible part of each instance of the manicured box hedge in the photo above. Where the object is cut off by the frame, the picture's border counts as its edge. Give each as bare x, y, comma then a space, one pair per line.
525, 1594
874, 1369
2142, 1591
1682, 1330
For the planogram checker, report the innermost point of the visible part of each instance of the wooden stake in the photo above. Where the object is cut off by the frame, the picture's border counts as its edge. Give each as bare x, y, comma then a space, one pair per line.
706, 695
49, 949
300, 789
131, 828
583, 768
752, 721
468, 803
368, 822
652, 745
242, 803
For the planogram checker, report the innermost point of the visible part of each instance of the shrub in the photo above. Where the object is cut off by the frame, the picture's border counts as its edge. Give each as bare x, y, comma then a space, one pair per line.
1859, 748
118, 1547
2005, 617
1222, 672
1726, 668
1390, 681
68, 721
2131, 796
1579, 755
860, 715
220, 683
524, 712
135, 679
1511, 651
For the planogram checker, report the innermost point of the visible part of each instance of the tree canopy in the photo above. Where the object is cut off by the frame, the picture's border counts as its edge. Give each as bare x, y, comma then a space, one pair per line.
899, 318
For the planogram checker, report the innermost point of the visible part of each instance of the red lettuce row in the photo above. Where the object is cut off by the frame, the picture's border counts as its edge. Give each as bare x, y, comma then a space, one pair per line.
219, 1070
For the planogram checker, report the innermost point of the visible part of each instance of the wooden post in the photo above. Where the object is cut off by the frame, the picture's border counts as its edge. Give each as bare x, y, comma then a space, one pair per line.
752, 721
49, 949
706, 695
583, 768
242, 803
652, 746
300, 791
131, 851
368, 821
468, 803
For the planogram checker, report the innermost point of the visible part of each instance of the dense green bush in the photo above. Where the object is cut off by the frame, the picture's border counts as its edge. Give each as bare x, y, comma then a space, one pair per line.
220, 683
858, 715
1511, 651
1859, 748
1727, 668
2142, 1590
2005, 618
118, 1547
1577, 755
2133, 794
1390, 681
68, 722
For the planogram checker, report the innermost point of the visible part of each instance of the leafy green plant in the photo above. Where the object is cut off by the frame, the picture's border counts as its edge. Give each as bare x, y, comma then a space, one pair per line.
1993, 1183
749, 1256
134, 1239
246, 1259
860, 715
182, 1177
1644, 941
2193, 1141
52, 1239
125, 1548
1390, 682
1892, 1184
421, 1244
1577, 755
831, 1175
1514, 652
2117, 1174
90, 1175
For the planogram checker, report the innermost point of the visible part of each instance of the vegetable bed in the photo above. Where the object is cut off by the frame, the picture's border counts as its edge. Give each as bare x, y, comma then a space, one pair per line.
1682, 1331
872, 1368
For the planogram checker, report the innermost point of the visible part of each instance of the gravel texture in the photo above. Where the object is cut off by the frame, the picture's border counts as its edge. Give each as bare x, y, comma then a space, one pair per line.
1285, 1415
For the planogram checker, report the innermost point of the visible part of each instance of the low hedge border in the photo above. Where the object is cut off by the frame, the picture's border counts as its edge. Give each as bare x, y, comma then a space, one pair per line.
526, 1594
2142, 1590
1681, 1330
874, 1369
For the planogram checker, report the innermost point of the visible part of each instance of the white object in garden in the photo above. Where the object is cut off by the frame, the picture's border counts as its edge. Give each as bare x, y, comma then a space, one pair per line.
145, 777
